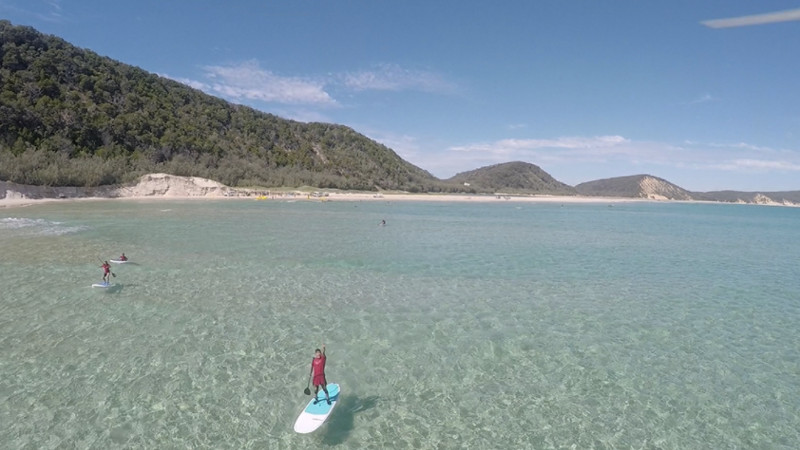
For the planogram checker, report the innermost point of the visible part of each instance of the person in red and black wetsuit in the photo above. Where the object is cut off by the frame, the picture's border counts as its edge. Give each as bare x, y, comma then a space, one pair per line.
318, 369
106, 271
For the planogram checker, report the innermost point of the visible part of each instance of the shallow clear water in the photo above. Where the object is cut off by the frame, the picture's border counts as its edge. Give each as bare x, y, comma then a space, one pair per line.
457, 325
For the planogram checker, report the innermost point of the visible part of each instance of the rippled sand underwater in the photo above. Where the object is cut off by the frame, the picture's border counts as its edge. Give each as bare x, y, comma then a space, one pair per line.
454, 326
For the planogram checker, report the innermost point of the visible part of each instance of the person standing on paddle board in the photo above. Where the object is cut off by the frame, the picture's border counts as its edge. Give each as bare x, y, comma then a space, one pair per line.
106, 271
318, 370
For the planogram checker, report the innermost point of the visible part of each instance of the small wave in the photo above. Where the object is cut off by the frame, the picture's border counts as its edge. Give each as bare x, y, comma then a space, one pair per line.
11, 223
39, 226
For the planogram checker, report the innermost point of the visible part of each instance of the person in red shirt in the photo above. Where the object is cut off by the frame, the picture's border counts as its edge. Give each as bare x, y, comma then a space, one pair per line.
318, 370
123, 257
106, 271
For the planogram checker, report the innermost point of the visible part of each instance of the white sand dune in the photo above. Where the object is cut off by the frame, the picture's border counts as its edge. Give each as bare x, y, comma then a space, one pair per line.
164, 185
156, 185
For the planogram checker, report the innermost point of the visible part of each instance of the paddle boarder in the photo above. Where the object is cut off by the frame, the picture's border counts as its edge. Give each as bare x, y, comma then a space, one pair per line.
106, 272
123, 257
318, 370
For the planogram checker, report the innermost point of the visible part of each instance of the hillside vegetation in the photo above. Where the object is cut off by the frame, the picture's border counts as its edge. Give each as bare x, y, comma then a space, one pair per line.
70, 117
512, 178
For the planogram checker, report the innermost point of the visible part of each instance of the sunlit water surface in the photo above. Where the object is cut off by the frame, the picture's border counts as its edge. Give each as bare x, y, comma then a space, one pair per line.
456, 325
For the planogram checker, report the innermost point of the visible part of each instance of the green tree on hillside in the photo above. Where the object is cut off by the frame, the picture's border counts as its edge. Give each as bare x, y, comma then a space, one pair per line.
69, 117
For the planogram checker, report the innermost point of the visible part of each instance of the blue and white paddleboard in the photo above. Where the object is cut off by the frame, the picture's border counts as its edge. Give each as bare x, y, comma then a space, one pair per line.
102, 285
315, 415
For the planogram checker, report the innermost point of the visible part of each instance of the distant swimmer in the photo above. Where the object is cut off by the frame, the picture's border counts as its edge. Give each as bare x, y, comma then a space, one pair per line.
383, 223
123, 257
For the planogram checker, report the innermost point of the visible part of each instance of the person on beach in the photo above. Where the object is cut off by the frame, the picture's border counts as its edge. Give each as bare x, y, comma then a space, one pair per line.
123, 257
318, 370
106, 271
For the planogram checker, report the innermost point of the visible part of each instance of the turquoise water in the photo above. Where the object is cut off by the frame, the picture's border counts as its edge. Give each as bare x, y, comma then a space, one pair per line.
457, 325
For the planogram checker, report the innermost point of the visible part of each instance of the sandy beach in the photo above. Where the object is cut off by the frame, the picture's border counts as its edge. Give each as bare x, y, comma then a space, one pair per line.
164, 186
357, 196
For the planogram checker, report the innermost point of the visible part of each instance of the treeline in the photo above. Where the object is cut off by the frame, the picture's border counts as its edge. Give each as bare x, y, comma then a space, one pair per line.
69, 117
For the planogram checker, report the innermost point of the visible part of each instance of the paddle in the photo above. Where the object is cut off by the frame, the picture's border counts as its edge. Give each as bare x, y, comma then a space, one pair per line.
307, 391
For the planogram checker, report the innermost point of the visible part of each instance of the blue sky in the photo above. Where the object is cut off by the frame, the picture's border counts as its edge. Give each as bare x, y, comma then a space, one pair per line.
584, 89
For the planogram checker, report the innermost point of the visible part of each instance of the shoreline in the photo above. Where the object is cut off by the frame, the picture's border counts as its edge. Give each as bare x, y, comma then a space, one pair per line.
161, 186
478, 198
339, 197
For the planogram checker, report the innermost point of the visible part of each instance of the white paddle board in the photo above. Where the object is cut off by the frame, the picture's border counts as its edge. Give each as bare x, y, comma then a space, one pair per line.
117, 261
314, 415
102, 285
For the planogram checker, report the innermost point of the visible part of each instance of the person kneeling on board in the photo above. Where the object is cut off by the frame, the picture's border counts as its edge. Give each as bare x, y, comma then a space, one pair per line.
318, 369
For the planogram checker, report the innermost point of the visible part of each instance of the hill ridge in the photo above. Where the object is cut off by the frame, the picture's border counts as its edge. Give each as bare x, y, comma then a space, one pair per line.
512, 177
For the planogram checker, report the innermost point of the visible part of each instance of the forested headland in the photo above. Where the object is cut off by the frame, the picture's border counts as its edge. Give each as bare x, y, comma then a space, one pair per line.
70, 117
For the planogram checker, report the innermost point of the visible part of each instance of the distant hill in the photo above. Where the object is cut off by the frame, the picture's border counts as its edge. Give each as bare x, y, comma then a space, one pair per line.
650, 187
634, 186
69, 117
788, 198
512, 178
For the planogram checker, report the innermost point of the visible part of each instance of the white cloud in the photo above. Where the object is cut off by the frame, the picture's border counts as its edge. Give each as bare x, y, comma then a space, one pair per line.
191, 83
741, 146
54, 14
301, 114
702, 99
542, 152
392, 77
760, 165
248, 81
619, 151
408, 147
691, 164
756, 19
512, 146
45, 10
